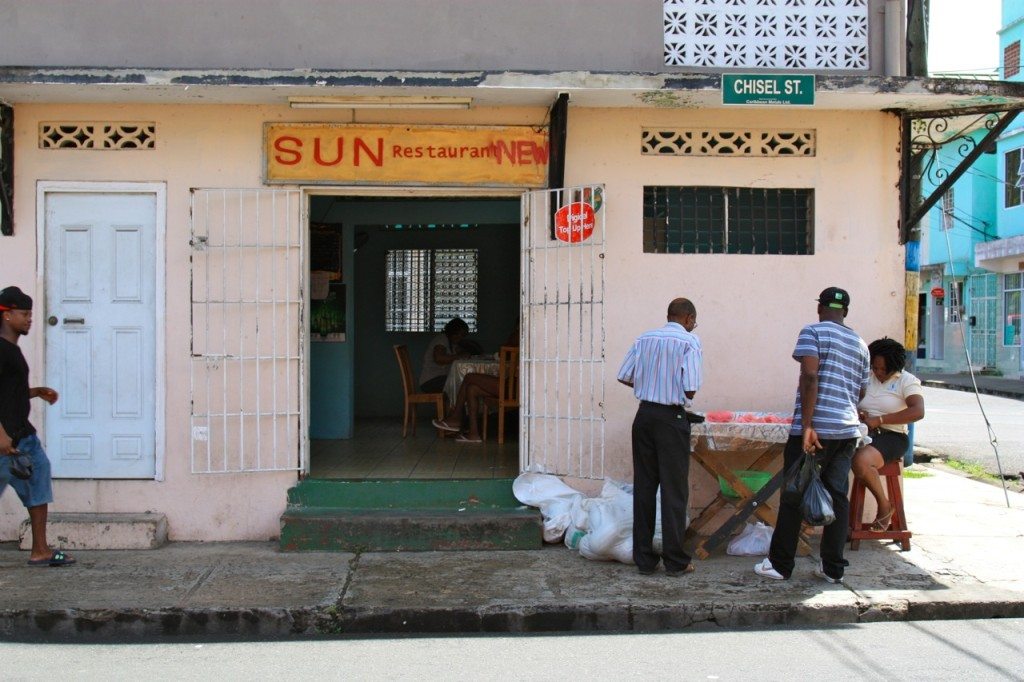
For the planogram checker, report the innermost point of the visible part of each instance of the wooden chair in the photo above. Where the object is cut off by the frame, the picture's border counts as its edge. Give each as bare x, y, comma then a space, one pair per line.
412, 396
861, 530
508, 389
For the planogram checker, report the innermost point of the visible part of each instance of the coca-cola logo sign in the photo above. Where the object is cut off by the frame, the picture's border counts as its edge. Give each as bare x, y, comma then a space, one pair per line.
574, 222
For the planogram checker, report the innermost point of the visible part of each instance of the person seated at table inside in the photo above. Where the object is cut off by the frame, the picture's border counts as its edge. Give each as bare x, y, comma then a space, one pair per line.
467, 402
474, 387
893, 399
442, 351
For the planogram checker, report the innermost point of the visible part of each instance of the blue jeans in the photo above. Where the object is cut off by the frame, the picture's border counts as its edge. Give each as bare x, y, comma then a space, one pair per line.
36, 490
835, 460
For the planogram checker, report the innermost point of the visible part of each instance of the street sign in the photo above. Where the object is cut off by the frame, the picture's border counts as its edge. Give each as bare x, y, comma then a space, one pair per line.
750, 88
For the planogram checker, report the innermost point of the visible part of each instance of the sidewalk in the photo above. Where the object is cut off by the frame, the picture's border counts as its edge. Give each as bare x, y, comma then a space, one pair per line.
1000, 386
965, 562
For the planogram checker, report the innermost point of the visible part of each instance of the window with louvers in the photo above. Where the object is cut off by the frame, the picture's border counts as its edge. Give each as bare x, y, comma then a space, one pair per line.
426, 288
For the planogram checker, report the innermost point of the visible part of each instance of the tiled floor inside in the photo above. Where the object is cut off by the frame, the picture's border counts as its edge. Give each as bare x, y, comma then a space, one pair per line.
377, 450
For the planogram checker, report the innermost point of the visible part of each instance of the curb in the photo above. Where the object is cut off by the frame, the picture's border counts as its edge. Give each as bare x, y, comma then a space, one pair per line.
102, 625
1014, 395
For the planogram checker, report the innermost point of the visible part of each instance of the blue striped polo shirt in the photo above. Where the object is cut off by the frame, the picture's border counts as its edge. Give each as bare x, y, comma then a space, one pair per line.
663, 364
844, 367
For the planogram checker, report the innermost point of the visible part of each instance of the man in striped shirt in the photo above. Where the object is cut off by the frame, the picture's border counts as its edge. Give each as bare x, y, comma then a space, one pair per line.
663, 367
834, 370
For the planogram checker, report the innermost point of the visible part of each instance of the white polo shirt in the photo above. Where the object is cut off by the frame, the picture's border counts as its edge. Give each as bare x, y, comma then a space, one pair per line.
890, 397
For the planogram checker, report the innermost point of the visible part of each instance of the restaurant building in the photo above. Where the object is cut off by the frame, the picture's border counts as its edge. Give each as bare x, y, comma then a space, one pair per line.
229, 215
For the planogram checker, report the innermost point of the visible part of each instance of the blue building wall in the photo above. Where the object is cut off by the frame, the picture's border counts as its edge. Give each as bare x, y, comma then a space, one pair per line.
982, 213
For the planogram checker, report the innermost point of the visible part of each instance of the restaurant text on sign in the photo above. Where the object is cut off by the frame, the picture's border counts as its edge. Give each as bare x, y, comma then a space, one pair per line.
574, 222
515, 156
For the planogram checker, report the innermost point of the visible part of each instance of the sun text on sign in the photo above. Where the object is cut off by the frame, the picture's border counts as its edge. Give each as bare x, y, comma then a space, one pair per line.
507, 155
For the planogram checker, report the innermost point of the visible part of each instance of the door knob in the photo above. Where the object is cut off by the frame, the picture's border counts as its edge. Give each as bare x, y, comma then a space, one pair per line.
52, 320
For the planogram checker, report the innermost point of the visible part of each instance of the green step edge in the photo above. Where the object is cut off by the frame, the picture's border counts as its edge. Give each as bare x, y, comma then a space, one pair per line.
421, 529
495, 493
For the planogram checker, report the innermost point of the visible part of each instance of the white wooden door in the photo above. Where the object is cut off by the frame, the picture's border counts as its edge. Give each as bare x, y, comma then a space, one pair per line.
100, 321
562, 355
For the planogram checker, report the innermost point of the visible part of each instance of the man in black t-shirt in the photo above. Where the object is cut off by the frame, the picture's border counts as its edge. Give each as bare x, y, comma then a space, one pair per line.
16, 432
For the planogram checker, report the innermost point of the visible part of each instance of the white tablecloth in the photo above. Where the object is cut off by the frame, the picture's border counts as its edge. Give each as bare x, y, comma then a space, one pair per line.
460, 368
761, 427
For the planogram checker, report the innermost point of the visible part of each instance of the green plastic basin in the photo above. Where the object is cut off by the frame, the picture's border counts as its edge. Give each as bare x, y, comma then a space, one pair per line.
755, 480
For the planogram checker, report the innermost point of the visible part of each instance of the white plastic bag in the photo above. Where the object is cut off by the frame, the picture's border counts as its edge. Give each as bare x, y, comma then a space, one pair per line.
753, 540
573, 536
552, 496
610, 524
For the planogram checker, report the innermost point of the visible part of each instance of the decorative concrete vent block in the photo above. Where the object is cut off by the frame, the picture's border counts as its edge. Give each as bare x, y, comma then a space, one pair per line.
71, 530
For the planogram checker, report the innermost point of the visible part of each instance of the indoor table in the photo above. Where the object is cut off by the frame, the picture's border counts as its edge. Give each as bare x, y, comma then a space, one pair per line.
478, 364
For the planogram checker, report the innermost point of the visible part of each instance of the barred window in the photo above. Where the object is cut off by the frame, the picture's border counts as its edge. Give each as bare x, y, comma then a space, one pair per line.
1012, 186
733, 220
427, 287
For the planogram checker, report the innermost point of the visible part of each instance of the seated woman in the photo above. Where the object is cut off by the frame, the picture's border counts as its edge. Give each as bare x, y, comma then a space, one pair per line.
473, 388
442, 351
893, 399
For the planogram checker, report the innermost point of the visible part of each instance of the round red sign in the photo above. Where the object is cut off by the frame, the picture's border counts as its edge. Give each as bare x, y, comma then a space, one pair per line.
938, 292
574, 222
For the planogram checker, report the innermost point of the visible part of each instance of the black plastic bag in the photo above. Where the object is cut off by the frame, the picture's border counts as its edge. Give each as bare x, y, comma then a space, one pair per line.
816, 503
797, 479
21, 465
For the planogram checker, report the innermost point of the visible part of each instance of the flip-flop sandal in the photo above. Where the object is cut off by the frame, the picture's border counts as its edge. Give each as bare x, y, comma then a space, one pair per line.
439, 424
461, 438
882, 523
58, 558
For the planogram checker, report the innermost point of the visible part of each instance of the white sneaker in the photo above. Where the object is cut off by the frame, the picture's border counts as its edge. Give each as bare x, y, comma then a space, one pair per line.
820, 572
766, 570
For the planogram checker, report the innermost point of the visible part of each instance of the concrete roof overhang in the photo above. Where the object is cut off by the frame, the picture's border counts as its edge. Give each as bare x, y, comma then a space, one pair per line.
1002, 255
909, 96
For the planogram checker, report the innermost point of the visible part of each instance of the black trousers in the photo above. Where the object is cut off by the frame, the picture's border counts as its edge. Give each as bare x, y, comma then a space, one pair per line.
435, 385
835, 459
661, 455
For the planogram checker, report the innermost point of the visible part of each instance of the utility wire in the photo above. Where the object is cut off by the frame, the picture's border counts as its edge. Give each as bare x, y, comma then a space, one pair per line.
993, 441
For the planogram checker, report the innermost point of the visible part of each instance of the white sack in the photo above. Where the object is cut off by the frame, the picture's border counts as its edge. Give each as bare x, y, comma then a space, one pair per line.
552, 496
611, 525
753, 540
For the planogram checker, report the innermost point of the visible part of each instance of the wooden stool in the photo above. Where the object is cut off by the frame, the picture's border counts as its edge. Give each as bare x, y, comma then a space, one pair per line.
861, 530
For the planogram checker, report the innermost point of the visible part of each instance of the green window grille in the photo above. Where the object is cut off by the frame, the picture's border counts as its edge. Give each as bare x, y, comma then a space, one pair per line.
732, 220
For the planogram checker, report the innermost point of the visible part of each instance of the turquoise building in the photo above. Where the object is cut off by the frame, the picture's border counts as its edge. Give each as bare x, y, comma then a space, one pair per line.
973, 244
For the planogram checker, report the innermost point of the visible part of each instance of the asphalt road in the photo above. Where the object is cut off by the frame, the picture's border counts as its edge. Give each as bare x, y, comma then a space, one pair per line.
928, 650
954, 426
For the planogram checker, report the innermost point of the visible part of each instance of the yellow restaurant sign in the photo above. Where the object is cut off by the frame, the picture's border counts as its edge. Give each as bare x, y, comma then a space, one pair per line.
505, 156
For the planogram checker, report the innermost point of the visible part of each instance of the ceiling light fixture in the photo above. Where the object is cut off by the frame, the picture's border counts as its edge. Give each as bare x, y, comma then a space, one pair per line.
376, 102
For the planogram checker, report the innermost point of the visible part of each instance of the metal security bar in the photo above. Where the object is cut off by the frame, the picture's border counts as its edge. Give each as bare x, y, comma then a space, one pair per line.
563, 339
247, 375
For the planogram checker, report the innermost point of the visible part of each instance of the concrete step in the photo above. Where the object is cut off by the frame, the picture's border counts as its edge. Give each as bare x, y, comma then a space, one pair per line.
407, 515
403, 493
409, 530
84, 530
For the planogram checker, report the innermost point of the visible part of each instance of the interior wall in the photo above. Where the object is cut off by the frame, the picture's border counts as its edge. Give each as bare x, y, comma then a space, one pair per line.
377, 384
